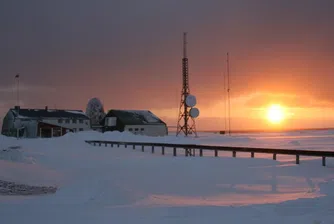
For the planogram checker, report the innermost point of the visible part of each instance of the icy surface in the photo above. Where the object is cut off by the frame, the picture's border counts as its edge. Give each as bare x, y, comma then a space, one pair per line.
122, 185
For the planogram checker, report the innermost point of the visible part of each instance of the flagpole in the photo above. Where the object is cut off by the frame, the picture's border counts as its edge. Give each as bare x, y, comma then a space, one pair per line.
17, 77
17, 89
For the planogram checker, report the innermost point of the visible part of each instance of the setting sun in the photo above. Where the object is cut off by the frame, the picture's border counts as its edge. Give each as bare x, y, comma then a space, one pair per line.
275, 114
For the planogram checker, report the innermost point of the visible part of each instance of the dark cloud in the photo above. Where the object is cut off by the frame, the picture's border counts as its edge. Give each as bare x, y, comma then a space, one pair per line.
128, 53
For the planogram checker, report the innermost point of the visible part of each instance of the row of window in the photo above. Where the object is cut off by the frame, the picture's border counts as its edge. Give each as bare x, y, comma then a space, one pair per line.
136, 129
67, 121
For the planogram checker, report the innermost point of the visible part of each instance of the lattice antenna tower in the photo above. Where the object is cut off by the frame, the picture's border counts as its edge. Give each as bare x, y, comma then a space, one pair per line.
187, 113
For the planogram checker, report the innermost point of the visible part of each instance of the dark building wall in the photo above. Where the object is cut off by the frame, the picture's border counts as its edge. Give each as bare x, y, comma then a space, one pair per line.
120, 129
119, 125
7, 124
136, 120
48, 130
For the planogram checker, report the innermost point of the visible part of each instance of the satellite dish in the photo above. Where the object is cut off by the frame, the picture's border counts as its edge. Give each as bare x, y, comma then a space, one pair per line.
194, 112
95, 111
191, 100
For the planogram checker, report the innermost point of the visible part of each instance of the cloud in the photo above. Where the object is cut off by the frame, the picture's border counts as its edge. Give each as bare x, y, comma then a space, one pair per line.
263, 99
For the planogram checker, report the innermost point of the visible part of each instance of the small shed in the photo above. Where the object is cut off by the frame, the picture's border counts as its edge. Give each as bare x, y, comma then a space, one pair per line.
142, 122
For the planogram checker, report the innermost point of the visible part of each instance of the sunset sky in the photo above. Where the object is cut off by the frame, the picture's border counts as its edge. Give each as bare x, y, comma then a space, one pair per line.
128, 53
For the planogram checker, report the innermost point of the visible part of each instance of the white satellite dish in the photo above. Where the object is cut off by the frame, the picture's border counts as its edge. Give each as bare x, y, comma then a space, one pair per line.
194, 112
95, 111
191, 100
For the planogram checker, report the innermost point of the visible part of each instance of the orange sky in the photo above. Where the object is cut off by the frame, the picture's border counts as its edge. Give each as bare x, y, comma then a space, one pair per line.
250, 112
128, 53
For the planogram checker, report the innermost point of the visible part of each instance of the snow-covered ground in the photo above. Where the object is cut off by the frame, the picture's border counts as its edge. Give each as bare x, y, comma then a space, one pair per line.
121, 185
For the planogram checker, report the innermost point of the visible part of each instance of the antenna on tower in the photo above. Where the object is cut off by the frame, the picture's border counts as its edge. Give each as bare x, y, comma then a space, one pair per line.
185, 45
187, 112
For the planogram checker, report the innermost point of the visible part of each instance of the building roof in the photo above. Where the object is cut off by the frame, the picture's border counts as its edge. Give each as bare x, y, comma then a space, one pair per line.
48, 113
135, 117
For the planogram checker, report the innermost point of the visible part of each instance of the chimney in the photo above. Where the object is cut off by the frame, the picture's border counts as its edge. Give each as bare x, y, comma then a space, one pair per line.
17, 109
46, 108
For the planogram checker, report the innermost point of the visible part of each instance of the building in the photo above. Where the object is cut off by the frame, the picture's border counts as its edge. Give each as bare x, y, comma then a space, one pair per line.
31, 123
141, 122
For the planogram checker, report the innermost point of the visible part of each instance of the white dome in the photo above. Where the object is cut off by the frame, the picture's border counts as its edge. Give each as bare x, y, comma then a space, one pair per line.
95, 111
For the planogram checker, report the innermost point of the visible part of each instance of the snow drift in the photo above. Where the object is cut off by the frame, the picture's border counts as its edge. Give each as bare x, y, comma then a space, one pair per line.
121, 185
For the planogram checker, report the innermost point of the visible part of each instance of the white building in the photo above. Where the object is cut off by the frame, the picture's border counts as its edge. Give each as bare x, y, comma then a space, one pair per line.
33, 123
142, 122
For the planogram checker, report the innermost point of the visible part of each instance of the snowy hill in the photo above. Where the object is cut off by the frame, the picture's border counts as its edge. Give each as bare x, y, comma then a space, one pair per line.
120, 185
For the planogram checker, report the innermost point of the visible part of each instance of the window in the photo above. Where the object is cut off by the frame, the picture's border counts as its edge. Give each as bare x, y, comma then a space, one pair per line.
67, 121
136, 129
56, 132
80, 129
142, 129
74, 121
60, 121
130, 129
81, 121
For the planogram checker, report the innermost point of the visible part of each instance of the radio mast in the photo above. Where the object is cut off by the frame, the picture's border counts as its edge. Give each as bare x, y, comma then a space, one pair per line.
187, 112
228, 93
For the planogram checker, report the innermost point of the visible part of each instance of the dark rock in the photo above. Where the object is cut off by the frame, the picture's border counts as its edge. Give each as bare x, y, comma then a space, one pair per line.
11, 188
